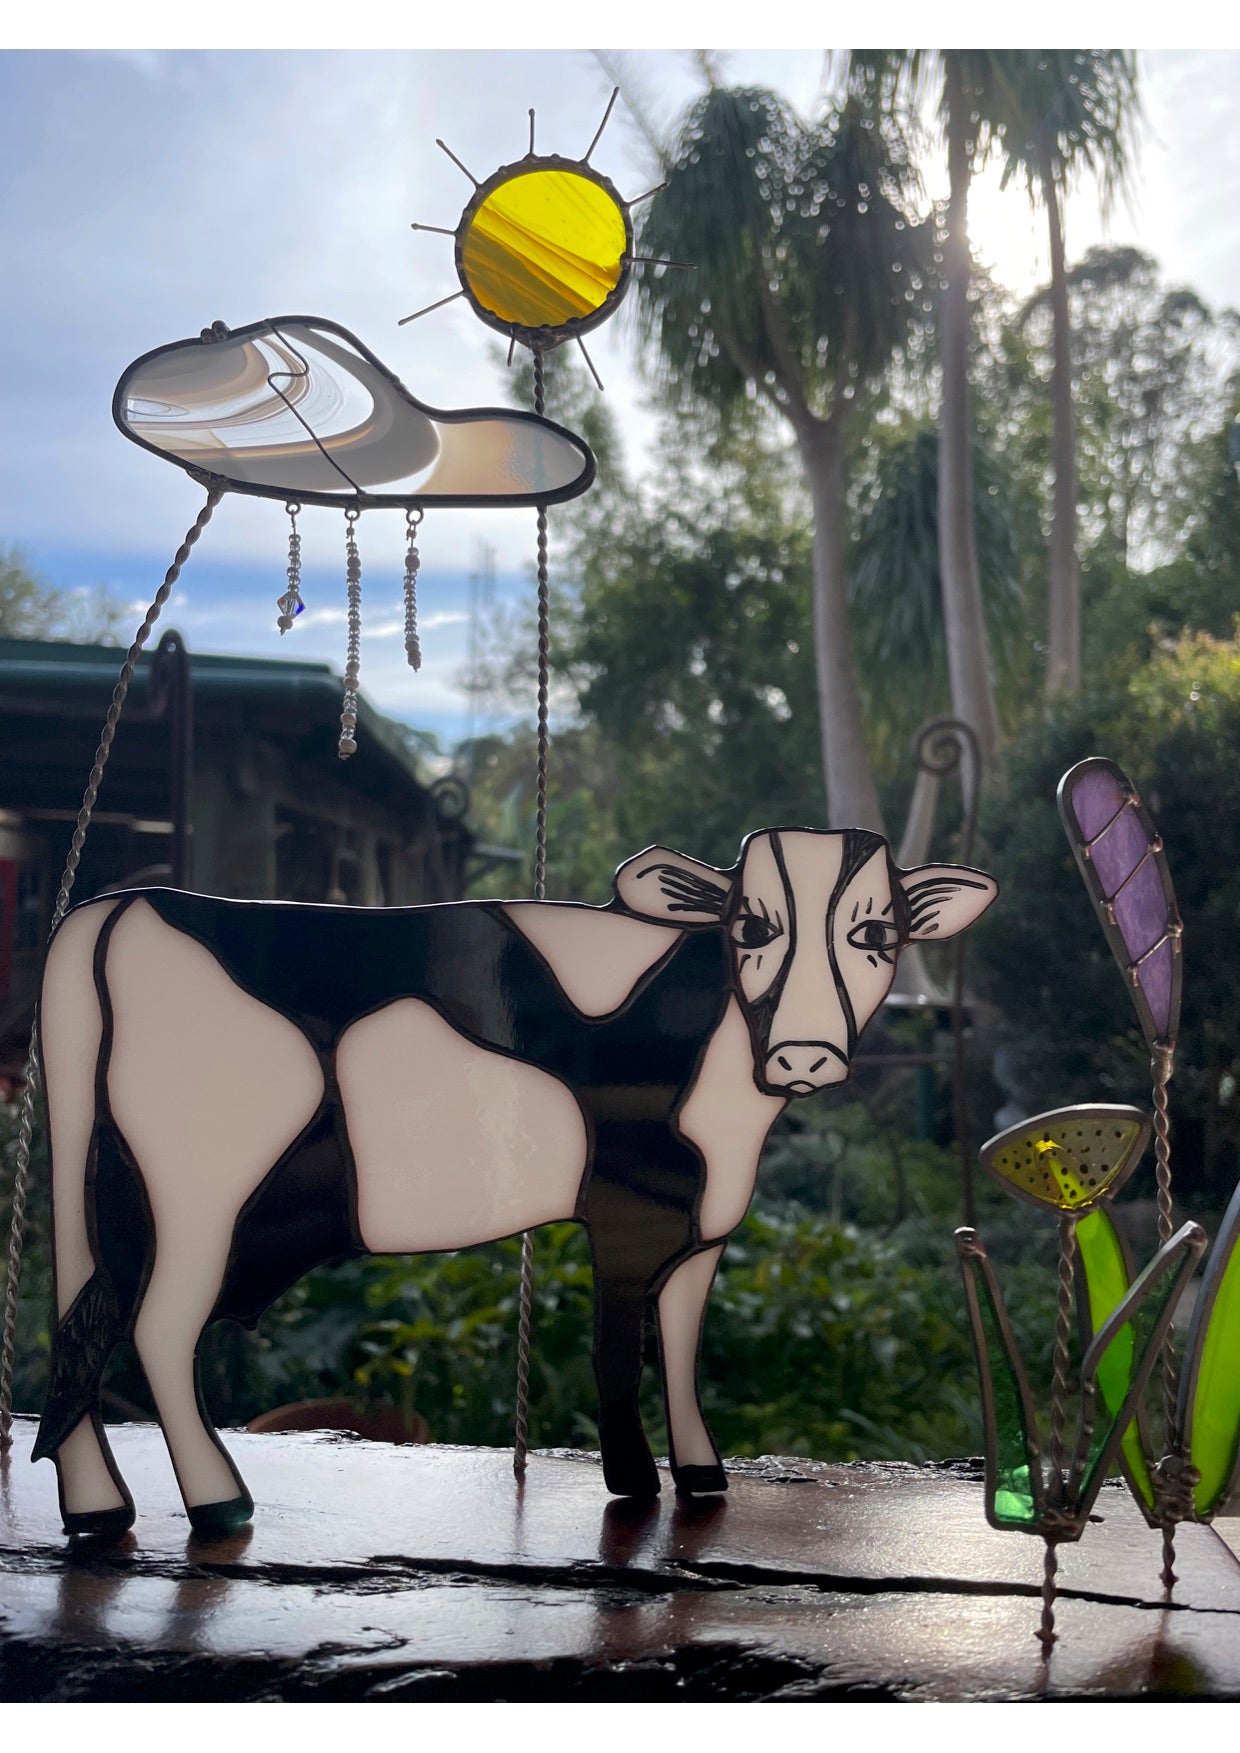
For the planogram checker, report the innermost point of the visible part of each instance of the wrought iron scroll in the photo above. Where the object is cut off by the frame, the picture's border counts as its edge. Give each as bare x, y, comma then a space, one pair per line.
942, 747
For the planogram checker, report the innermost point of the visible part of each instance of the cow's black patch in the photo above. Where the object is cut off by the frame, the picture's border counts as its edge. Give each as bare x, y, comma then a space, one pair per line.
119, 1219
300, 1217
325, 968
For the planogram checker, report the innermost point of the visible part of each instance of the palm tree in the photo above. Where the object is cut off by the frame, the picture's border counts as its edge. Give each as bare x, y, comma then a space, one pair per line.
806, 275
902, 645
899, 80
1056, 112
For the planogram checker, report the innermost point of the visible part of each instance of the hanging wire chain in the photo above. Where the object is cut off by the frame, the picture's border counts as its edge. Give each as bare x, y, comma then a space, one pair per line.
413, 645
525, 1315
347, 744
290, 604
21, 1171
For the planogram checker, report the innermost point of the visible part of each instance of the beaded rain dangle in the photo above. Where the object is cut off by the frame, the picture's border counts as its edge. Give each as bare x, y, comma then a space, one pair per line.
353, 586
290, 604
413, 645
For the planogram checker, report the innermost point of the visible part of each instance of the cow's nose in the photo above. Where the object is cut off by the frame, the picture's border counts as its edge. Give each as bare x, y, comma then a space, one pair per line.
801, 1067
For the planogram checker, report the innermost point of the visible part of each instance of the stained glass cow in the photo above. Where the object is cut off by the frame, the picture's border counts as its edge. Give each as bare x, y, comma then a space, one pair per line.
241, 1090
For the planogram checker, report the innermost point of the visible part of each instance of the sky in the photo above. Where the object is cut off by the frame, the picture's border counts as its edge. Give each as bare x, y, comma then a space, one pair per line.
147, 193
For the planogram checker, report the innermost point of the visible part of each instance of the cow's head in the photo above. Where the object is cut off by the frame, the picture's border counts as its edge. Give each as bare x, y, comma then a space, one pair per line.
815, 922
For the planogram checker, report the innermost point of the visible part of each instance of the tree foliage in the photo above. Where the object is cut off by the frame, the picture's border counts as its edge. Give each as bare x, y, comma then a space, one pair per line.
896, 581
30, 608
800, 276
804, 266
1067, 1026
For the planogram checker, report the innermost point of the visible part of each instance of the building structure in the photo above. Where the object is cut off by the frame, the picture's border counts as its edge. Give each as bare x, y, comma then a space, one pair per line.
223, 778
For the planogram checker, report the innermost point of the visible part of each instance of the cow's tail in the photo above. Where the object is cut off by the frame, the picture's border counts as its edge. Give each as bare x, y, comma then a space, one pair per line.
81, 1346
71, 1028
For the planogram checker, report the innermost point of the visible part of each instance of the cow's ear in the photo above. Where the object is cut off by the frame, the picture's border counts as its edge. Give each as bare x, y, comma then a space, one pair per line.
672, 889
944, 899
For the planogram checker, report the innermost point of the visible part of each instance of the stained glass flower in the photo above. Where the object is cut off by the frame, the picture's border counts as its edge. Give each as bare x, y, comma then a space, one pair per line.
1070, 1160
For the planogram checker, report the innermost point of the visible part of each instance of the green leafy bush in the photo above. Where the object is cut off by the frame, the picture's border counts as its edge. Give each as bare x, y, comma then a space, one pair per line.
823, 1337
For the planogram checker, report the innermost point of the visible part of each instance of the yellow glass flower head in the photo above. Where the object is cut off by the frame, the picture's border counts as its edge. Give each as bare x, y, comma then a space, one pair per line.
1070, 1160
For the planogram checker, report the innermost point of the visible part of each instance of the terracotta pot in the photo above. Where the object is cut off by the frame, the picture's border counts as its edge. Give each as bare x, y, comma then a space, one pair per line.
381, 1424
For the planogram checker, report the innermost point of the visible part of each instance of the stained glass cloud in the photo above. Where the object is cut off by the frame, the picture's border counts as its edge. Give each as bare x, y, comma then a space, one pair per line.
297, 408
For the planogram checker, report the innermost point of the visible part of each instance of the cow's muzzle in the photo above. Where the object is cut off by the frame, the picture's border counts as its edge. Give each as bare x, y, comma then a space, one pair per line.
798, 1068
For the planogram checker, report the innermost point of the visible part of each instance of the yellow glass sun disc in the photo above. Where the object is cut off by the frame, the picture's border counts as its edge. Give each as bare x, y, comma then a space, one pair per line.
543, 248
1070, 1160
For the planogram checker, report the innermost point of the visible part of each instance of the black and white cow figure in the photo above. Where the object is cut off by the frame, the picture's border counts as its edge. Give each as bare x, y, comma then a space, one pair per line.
240, 1090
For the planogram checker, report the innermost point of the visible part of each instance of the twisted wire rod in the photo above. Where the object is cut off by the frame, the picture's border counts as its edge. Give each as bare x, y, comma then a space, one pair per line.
21, 1170
1162, 1065
1046, 1633
526, 1299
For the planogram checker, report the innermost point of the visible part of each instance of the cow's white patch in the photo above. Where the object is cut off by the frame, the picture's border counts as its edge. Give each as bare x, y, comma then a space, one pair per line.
454, 1143
867, 941
762, 928
728, 1117
209, 1088
596, 957
70, 1033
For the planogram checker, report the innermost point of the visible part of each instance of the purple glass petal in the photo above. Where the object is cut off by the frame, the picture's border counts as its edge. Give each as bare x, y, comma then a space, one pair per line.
1141, 911
1155, 977
1096, 796
1119, 852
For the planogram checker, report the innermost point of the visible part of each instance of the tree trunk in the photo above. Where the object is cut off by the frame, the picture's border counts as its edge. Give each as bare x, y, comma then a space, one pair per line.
1063, 664
973, 695
852, 801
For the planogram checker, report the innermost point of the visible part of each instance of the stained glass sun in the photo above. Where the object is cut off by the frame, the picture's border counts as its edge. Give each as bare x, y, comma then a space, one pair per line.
544, 248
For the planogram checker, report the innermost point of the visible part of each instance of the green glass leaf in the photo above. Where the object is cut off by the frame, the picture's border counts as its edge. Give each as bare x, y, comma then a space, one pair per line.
1130, 1340
1013, 1467
1210, 1391
1105, 1276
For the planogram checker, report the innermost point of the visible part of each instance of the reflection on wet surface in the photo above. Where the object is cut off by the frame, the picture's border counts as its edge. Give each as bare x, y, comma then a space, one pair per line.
370, 1571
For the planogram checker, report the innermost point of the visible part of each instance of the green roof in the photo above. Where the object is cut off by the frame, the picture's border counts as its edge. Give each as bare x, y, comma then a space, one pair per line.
35, 672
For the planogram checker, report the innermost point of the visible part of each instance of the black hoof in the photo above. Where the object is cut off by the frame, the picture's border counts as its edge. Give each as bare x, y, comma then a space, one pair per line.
213, 1519
638, 1479
698, 1481
99, 1524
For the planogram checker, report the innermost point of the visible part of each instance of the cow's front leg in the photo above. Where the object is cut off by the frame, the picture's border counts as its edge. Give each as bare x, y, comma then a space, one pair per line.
681, 1307
619, 1328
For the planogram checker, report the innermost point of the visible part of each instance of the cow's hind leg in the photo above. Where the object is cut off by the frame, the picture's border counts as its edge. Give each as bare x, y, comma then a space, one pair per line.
696, 1466
174, 1311
209, 1088
94, 1499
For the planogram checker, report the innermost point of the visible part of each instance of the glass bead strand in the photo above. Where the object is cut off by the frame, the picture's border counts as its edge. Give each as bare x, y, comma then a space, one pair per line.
353, 575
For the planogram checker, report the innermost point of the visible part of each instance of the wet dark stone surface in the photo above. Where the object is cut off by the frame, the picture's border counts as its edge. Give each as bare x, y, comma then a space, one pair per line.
384, 1573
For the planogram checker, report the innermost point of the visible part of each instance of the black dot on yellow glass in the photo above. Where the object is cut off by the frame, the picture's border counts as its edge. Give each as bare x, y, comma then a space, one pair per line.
544, 247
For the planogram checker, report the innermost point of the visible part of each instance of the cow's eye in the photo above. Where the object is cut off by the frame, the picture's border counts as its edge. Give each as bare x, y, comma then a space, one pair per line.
751, 931
879, 936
